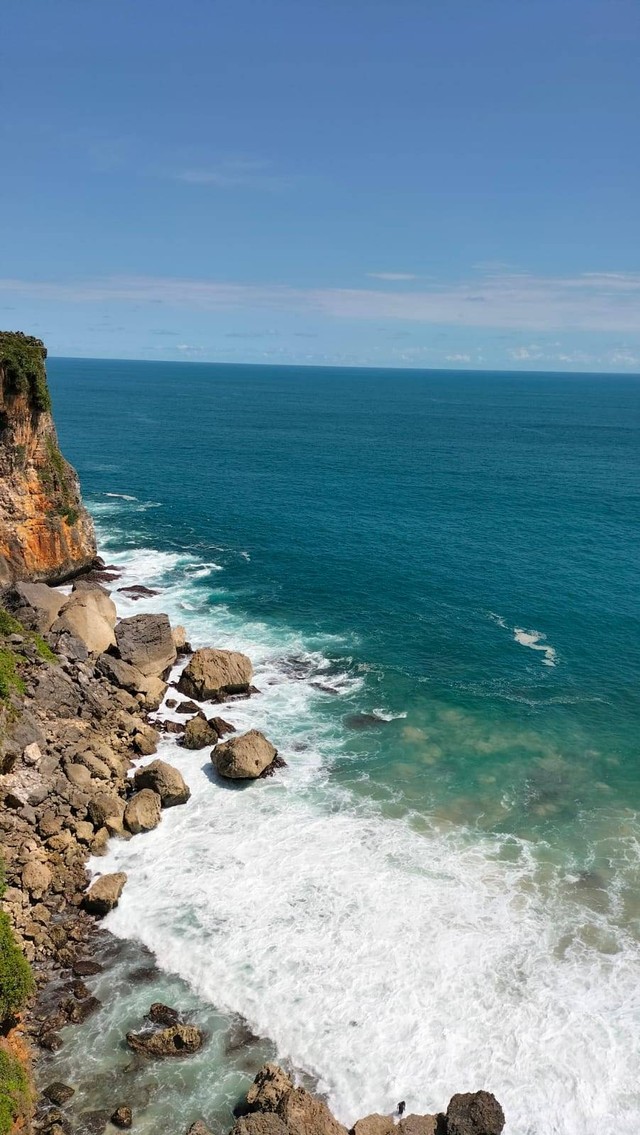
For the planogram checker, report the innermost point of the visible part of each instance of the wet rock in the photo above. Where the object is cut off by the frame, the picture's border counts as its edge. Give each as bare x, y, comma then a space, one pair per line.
177, 1040
86, 967
138, 591
122, 1117
269, 1087
171, 726
305, 1114
165, 780
59, 1093
163, 1014
221, 726
474, 1113
180, 640
79, 1011
364, 721
52, 1041
199, 1128
199, 733
104, 894
146, 641
142, 813
145, 741
210, 675
186, 707
244, 757
373, 1125
278, 762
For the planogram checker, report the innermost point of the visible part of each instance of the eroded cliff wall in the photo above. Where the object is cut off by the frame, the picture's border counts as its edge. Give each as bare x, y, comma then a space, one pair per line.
45, 531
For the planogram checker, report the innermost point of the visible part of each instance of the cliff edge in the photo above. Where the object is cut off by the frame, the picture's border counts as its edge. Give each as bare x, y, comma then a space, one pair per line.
45, 531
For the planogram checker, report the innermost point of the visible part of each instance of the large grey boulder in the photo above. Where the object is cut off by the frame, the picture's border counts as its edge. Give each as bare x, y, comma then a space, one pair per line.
211, 675
245, 757
165, 780
130, 678
146, 641
142, 812
89, 616
104, 893
474, 1113
38, 605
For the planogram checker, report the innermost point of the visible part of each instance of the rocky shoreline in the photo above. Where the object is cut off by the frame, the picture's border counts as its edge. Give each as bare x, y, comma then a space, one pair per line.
79, 723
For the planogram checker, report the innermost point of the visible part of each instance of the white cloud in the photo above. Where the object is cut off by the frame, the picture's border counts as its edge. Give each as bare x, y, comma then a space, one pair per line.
590, 303
461, 358
232, 173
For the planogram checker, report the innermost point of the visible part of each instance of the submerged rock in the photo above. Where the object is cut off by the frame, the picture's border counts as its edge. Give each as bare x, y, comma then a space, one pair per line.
165, 780
474, 1113
58, 1093
122, 1117
245, 757
177, 1040
210, 675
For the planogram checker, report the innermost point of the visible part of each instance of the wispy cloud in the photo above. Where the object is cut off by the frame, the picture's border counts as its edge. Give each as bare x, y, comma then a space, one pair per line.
392, 277
234, 173
593, 302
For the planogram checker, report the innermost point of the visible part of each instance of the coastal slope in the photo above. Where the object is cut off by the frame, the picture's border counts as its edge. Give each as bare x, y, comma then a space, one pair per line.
45, 531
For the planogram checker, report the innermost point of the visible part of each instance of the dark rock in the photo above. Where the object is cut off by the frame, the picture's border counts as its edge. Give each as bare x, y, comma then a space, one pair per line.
138, 591
51, 1041
221, 726
122, 1116
163, 1014
199, 1128
171, 703
474, 1113
186, 707
364, 721
79, 1011
59, 1093
261, 1123
171, 726
178, 1040
269, 1087
199, 733
270, 770
86, 967
165, 780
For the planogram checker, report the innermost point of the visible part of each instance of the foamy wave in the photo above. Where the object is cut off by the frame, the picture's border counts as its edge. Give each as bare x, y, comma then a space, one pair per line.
121, 496
535, 641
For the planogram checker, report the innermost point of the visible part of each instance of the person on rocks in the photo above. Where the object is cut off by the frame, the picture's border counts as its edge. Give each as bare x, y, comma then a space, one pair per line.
401, 1108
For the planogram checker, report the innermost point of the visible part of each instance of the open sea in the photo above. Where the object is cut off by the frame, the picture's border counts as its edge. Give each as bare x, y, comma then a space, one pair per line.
436, 575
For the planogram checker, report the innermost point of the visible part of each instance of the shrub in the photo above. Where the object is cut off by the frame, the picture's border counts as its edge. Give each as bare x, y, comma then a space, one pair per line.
15, 1092
16, 979
22, 360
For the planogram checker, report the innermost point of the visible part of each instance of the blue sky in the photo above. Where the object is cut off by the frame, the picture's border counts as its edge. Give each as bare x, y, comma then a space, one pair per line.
362, 182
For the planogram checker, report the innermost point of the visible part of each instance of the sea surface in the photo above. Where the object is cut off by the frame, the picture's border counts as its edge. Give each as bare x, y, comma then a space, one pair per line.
436, 575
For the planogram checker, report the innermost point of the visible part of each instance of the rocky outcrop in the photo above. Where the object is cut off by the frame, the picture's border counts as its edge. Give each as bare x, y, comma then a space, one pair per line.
90, 616
305, 1114
146, 642
373, 1125
45, 532
474, 1113
423, 1125
269, 1087
177, 1040
211, 675
165, 780
245, 757
142, 812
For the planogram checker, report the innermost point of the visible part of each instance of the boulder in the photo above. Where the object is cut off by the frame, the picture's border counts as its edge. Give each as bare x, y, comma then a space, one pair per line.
474, 1113
142, 813
58, 1093
305, 1114
130, 678
199, 1128
43, 605
221, 726
89, 616
177, 1040
163, 1014
210, 675
165, 780
260, 1123
106, 810
179, 636
145, 641
244, 757
145, 740
122, 1117
199, 733
373, 1125
36, 878
270, 1085
423, 1125
32, 754
104, 893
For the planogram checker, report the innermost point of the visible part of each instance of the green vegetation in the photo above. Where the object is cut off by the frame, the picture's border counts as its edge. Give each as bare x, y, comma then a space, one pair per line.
9, 675
22, 359
16, 979
15, 1091
57, 477
10, 680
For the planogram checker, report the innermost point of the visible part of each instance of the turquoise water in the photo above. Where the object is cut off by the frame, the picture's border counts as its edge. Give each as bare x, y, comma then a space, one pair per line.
443, 895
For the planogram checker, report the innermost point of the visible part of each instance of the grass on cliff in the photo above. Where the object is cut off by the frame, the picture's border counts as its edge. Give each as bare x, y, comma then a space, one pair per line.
16, 979
15, 1091
22, 360
8, 626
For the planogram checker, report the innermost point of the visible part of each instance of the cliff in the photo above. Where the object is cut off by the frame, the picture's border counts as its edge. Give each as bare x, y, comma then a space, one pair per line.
45, 532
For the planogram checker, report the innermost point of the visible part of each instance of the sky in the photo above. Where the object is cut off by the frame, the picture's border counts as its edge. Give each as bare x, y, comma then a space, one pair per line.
421, 183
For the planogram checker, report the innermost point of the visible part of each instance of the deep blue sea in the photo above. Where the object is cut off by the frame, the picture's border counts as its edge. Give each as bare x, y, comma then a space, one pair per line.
437, 577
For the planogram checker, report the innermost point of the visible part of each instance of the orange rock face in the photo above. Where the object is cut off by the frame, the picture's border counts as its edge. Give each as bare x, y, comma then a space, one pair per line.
45, 531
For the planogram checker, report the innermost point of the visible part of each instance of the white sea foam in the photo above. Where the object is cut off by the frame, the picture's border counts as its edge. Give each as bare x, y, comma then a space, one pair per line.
390, 963
535, 640
121, 496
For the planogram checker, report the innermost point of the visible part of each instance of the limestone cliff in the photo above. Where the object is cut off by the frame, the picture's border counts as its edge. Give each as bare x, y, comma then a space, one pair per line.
45, 532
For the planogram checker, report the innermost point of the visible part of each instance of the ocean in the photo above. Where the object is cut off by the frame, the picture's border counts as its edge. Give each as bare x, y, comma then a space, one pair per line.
436, 576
